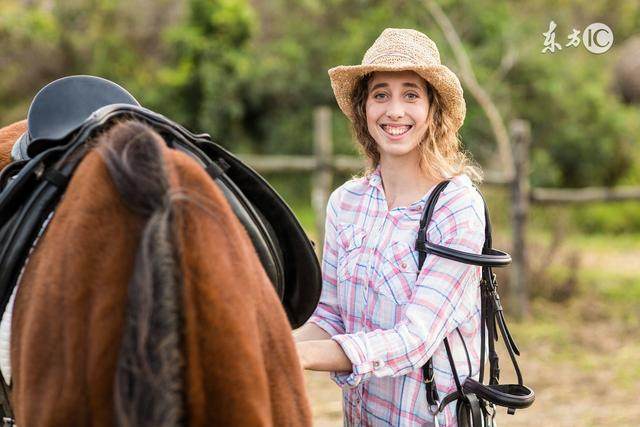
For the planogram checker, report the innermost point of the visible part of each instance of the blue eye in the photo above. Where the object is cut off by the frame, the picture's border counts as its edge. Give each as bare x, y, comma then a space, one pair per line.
412, 96
379, 95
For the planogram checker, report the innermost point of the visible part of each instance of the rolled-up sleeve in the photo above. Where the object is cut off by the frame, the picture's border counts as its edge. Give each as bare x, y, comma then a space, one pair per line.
327, 313
443, 297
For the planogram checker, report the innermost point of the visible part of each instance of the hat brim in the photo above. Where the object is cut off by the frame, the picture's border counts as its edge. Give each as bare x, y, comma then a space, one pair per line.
345, 77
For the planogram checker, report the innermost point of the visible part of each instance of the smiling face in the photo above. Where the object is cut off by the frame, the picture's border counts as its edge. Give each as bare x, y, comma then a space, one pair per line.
397, 109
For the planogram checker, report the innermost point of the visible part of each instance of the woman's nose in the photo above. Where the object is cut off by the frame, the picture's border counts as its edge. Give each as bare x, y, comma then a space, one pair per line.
395, 110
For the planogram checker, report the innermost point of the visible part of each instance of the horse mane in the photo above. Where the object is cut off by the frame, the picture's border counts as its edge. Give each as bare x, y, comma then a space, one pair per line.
149, 379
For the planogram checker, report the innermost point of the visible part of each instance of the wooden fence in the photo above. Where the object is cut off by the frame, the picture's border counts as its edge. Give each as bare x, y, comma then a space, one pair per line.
323, 164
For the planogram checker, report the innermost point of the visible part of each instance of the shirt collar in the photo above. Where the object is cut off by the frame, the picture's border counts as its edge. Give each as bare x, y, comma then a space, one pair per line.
375, 179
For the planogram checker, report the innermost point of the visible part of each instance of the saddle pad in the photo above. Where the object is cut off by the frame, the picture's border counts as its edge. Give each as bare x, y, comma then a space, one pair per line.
5, 323
5, 339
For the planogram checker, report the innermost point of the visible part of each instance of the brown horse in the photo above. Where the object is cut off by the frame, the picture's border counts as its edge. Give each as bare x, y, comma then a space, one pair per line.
144, 302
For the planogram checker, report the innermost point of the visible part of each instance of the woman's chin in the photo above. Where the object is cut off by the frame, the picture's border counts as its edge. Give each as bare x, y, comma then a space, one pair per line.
398, 153
398, 148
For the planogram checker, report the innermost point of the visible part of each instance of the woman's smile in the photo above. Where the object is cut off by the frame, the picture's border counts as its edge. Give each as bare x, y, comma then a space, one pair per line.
395, 131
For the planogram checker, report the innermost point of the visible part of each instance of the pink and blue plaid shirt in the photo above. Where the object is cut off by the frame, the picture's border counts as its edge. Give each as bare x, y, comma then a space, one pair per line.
388, 319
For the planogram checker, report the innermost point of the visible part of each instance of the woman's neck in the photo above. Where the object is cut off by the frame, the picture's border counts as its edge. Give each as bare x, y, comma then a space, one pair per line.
404, 182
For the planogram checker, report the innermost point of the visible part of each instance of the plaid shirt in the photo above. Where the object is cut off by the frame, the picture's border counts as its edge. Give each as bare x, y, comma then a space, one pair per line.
388, 319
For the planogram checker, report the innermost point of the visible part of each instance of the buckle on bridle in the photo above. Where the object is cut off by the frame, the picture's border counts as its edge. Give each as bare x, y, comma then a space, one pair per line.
490, 409
430, 380
435, 410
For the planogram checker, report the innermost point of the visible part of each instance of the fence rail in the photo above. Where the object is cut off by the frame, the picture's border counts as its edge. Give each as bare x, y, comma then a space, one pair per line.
584, 195
285, 164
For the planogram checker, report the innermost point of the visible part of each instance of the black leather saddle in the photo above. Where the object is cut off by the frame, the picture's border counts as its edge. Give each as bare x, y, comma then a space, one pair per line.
68, 112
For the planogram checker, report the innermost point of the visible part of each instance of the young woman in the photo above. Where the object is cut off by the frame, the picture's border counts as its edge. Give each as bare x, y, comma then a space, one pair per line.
379, 319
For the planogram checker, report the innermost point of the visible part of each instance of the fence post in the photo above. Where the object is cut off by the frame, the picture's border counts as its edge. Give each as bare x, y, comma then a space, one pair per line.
521, 136
323, 173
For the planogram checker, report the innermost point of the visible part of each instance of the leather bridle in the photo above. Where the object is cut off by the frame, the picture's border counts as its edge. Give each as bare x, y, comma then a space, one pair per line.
475, 399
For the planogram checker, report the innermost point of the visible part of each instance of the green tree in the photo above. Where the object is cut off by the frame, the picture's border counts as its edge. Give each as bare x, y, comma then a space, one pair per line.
203, 81
116, 39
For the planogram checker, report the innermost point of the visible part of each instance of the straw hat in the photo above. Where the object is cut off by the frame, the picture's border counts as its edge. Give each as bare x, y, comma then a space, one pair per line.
399, 50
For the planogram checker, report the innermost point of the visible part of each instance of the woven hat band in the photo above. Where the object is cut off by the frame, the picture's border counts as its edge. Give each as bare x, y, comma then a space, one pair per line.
415, 56
400, 59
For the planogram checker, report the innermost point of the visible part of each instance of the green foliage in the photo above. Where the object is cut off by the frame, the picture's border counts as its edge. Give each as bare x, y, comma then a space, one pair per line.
24, 34
585, 134
251, 73
616, 218
119, 40
205, 77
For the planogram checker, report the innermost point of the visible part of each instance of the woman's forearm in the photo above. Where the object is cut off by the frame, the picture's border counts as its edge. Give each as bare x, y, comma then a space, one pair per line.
323, 355
310, 331
318, 352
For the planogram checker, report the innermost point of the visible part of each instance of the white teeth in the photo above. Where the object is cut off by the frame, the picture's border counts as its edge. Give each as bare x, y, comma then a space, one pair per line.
396, 130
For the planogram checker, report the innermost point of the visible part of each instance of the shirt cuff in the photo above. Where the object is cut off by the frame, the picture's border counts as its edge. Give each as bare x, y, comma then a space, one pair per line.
340, 378
354, 346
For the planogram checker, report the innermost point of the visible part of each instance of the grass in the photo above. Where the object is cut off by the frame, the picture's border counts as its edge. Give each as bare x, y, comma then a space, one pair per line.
606, 242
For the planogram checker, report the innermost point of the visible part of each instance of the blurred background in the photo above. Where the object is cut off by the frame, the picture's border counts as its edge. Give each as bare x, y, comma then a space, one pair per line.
557, 130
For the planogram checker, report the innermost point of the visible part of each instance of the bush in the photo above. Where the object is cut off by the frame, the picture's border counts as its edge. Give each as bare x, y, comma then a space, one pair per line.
614, 218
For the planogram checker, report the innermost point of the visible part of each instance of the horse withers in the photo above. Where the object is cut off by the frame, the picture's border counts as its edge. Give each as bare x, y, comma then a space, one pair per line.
144, 302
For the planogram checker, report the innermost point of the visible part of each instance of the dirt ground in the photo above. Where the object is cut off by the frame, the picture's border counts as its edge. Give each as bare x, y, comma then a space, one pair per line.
567, 394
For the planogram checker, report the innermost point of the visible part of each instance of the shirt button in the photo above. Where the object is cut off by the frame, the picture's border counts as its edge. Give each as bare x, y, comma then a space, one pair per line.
403, 265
